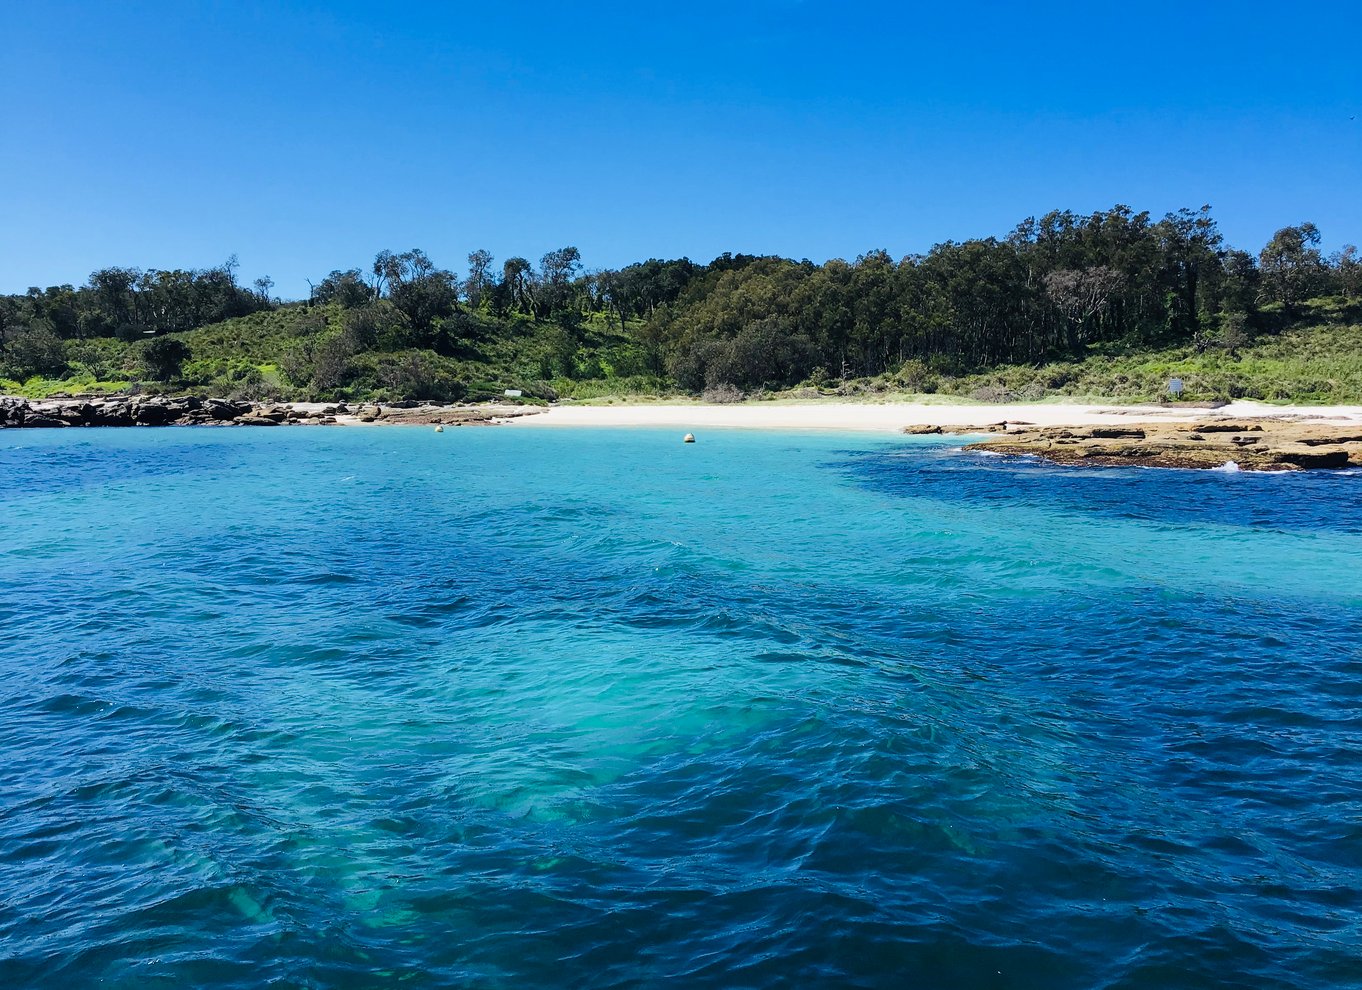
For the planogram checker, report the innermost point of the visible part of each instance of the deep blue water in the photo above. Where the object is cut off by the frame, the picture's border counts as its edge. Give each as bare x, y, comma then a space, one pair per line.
510, 707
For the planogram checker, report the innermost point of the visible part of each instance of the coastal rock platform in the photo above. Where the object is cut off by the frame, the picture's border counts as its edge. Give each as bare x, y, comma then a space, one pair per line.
123, 410
1263, 444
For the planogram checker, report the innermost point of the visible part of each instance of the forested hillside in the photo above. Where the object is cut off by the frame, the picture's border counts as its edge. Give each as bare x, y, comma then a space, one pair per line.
1040, 311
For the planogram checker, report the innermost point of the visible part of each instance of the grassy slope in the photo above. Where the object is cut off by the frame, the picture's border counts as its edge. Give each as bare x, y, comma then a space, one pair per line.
252, 356
1306, 364
1319, 360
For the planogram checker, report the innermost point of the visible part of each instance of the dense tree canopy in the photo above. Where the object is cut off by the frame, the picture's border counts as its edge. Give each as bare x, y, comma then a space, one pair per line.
1049, 289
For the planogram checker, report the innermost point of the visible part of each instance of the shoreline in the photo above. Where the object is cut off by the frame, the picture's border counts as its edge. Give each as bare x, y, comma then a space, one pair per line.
1247, 435
125, 411
911, 417
860, 417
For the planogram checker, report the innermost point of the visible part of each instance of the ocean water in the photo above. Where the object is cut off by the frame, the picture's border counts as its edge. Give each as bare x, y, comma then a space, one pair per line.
523, 708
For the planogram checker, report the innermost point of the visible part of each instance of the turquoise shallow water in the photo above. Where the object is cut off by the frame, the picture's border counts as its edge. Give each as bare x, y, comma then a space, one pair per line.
502, 707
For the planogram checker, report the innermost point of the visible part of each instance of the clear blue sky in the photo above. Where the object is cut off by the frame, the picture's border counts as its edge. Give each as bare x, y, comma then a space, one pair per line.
306, 136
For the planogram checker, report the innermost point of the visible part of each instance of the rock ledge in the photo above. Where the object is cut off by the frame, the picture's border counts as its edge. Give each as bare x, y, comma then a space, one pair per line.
1268, 444
125, 410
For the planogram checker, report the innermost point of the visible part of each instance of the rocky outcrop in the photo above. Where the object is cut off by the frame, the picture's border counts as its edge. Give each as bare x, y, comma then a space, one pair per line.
193, 411
121, 410
416, 414
1267, 444
930, 429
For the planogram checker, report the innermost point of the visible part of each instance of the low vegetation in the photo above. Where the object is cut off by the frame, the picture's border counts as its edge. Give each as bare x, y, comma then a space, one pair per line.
1110, 306
1317, 360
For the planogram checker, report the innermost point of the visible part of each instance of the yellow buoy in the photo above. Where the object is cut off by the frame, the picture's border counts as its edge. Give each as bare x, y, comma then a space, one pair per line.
690, 438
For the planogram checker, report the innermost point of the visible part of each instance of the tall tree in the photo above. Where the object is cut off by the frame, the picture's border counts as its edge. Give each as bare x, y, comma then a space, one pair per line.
345, 287
1190, 242
1347, 265
479, 277
517, 278
1291, 264
420, 290
556, 271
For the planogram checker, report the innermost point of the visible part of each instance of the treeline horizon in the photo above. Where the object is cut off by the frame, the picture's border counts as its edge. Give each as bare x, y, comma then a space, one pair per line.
1048, 290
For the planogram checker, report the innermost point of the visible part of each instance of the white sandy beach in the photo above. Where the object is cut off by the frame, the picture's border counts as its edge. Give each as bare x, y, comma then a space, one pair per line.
894, 416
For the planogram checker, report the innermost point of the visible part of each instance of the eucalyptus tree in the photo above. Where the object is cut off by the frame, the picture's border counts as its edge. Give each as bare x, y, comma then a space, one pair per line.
1291, 265
113, 298
517, 278
1189, 242
556, 272
345, 287
479, 279
1347, 266
58, 307
1083, 295
420, 291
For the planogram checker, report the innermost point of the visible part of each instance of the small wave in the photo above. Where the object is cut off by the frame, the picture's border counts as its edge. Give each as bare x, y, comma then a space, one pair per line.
810, 718
325, 577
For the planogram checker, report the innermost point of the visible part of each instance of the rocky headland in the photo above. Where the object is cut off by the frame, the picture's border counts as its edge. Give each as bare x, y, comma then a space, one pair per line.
132, 410
1262, 444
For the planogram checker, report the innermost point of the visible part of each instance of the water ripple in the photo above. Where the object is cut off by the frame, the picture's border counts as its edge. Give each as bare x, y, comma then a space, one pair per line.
358, 708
